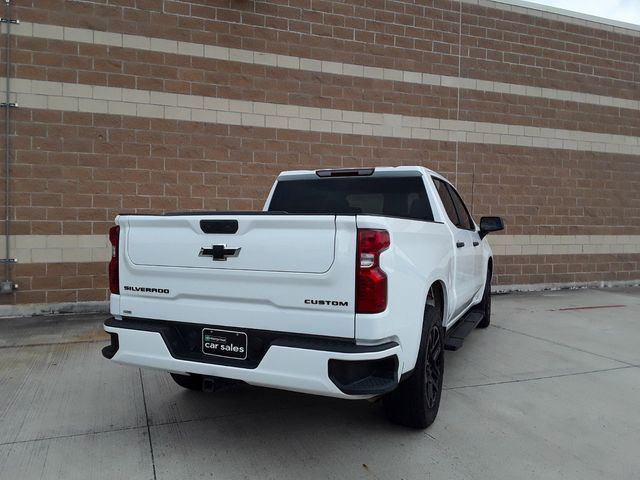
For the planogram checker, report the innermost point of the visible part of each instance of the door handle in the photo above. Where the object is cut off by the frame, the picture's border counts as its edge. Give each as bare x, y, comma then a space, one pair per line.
475, 244
459, 244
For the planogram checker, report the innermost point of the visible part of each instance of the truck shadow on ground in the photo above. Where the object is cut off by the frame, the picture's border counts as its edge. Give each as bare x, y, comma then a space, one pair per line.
179, 405
252, 432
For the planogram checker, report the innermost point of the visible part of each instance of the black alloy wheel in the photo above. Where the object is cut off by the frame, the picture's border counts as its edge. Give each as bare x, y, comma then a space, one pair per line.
485, 305
434, 366
415, 402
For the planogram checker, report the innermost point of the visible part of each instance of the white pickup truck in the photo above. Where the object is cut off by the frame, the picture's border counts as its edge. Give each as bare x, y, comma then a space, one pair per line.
350, 283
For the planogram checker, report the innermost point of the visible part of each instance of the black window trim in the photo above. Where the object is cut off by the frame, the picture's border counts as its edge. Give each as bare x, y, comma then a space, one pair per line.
444, 183
466, 210
450, 188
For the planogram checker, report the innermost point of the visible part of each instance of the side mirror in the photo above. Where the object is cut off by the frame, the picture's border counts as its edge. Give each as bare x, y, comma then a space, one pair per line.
490, 224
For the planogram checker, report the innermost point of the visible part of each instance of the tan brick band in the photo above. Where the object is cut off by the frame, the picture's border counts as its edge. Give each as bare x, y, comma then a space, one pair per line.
531, 272
28, 249
33, 249
73, 97
564, 244
174, 47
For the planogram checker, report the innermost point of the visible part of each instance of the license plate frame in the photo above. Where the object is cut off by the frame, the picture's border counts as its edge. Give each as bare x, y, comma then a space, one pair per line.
229, 344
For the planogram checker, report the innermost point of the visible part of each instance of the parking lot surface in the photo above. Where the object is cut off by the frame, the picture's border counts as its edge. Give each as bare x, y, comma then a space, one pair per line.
550, 390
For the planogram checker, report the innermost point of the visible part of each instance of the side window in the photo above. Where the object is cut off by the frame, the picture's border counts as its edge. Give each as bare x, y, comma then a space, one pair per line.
463, 214
445, 196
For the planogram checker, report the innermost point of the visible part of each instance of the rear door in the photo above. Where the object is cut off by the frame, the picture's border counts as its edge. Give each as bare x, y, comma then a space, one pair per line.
464, 269
290, 273
467, 223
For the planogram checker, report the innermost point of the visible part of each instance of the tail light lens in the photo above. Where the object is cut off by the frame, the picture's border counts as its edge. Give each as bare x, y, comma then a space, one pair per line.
114, 273
371, 281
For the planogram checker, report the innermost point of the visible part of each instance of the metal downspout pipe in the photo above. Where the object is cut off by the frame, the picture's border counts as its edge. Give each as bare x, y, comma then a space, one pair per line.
7, 286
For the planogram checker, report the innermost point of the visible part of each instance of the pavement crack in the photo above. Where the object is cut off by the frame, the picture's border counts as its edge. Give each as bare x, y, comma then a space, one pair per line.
564, 345
146, 414
73, 342
71, 435
523, 380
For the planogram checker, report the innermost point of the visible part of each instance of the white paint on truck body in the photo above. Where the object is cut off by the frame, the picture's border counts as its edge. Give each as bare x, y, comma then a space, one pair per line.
285, 261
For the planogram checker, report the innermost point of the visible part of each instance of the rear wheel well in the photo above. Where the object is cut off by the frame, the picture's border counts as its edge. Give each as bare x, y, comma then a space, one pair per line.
440, 296
439, 292
490, 269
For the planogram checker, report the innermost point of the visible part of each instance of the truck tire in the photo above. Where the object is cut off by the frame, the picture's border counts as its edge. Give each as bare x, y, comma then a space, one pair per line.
190, 382
485, 305
416, 401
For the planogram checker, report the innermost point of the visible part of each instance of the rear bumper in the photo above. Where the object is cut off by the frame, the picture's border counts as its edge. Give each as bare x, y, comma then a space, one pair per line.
329, 367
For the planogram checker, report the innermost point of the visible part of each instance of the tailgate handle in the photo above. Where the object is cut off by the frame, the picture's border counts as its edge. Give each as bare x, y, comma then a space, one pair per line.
228, 227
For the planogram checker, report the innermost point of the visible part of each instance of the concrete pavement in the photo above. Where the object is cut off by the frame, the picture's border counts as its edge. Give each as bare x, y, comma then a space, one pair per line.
550, 390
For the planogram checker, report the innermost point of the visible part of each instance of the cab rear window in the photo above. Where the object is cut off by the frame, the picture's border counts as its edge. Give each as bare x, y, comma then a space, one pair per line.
403, 197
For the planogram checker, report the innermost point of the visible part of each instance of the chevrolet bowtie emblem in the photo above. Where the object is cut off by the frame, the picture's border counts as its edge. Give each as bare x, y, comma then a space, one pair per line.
219, 252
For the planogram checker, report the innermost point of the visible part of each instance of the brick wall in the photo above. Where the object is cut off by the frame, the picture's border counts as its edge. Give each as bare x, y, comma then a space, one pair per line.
158, 105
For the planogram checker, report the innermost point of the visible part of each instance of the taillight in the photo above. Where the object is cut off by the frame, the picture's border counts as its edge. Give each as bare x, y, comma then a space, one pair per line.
114, 273
371, 281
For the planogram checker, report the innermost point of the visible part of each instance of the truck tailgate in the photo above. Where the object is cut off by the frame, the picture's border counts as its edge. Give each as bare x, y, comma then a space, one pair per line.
293, 273
271, 243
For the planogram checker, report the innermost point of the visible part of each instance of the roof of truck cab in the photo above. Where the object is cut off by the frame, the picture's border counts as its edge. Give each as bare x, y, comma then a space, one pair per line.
378, 171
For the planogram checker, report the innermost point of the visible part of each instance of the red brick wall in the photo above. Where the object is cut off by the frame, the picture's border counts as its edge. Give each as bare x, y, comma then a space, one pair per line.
59, 283
73, 172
